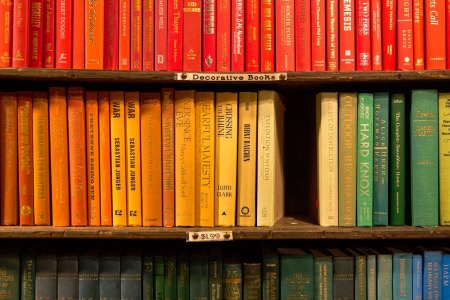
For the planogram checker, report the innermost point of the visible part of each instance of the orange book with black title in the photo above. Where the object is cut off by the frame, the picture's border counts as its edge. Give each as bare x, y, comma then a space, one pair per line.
59, 153
41, 159
152, 192
20, 30
76, 112
25, 146
419, 35
148, 36
94, 38
168, 155
124, 34
78, 37
6, 18
136, 35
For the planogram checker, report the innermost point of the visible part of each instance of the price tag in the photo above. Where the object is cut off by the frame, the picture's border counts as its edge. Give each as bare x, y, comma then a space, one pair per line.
209, 236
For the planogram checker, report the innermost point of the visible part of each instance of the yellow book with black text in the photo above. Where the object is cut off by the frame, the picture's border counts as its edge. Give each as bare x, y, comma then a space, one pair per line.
444, 158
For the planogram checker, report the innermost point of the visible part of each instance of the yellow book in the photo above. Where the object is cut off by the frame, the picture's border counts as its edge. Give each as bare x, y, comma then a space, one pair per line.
246, 195
152, 194
118, 154
444, 158
185, 158
270, 171
226, 158
204, 160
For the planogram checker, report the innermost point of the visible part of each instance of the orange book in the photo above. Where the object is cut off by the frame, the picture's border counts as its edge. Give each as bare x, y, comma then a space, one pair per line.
152, 198
418, 35
133, 158
8, 159
124, 35
118, 169
59, 153
76, 112
78, 44
168, 158
185, 158
94, 38
41, 159
105, 158
25, 146
6, 12
435, 56
93, 168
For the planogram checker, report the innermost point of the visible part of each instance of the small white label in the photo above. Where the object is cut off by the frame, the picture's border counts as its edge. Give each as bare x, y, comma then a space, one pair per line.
230, 76
209, 236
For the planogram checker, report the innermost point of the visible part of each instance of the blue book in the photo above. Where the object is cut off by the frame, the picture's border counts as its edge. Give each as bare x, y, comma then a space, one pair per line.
446, 276
401, 274
88, 270
46, 275
131, 274
417, 276
67, 275
109, 275
432, 274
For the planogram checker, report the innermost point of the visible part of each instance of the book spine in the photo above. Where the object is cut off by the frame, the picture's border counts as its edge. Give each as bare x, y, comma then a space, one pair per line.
133, 158
435, 54
360, 277
41, 159
94, 37
252, 36
323, 277
104, 139
109, 276
152, 194
251, 283
161, 31
49, 34
302, 35
183, 275
148, 287
136, 35
364, 196
445, 276
168, 156
247, 145
111, 35
424, 158
21, 29
419, 35
130, 276
332, 35
402, 276
237, 35
224, 35
417, 276
267, 35
159, 277
25, 159
148, 35
389, 34
118, 155
232, 281
432, 275
347, 158
88, 270
67, 279
371, 277
209, 42
376, 41
63, 34
175, 25
6, 35
444, 158
405, 59
192, 40
27, 275
318, 48
226, 158
347, 27
397, 167
215, 274
78, 34
363, 37
270, 274
447, 28
290, 266
204, 159
124, 35
380, 159
93, 164
36, 33
10, 280
284, 35
384, 276
46, 276
198, 267
185, 158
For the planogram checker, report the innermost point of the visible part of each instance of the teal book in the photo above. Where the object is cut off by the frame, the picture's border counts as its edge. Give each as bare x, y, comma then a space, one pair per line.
251, 282
198, 278
360, 258
417, 276
232, 276
27, 275
88, 274
148, 290
270, 273
381, 159
343, 274
183, 275
170, 276
432, 273
46, 275
296, 274
67, 278
364, 175
397, 163
424, 158
109, 274
158, 264
371, 276
215, 273
10, 273
384, 274
402, 270
131, 274
323, 274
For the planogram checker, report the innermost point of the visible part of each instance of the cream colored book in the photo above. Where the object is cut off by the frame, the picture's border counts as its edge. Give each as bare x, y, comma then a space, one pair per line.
444, 158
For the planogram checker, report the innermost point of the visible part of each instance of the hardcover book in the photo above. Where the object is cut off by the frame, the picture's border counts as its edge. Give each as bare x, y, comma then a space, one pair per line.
88, 274
252, 35
46, 275
332, 35
237, 35
109, 274
376, 38
124, 35
270, 273
192, 38
444, 158
21, 32
389, 34
36, 43
343, 274
323, 274
284, 35
417, 276
136, 35
347, 47
267, 35
78, 34
131, 274
401, 273
67, 275
49, 34
297, 274
175, 34
363, 36
224, 35
232, 276
170, 275
27, 274
111, 35
318, 37
63, 34
251, 282
199, 279
168, 157
209, 31
148, 33
6, 35
215, 273
183, 275
419, 35
161, 35
435, 53
302, 35
405, 59
94, 37
104, 131
10, 281
432, 273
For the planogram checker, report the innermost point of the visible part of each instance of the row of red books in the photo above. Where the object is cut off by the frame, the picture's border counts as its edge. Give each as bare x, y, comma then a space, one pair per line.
226, 35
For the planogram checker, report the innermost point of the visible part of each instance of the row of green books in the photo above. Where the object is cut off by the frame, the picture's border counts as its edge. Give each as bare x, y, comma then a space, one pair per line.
383, 159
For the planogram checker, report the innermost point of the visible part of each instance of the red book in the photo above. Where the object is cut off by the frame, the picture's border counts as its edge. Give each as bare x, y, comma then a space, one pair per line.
6, 11
318, 49
237, 34
302, 35
175, 35
124, 35
49, 34
148, 32
332, 34
284, 36
389, 34
94, 34
405, 50
36, 33
192, 39
21, 29
224, 35
363, 51
78, 49
435, 31
136, 35
267, 36
377, 47
161, 35
347, 48
111, 35
63, 40
447, 13
209, 35
419, 36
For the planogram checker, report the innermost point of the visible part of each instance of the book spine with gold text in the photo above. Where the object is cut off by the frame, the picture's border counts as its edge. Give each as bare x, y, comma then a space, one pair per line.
136, 35
6, 34
94, 37
36, 33
124, 34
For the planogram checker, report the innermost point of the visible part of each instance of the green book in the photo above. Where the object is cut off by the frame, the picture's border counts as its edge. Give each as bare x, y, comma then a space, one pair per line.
183, 277
424, 158
10, 273
170, 276
397, 163
270, 273
296, 274
364, 188
384, 273
158, 264
343, 274
323, 274
371, 274
380, 159
215, 273
360, 273
148, 289
251, 280
27, 274
198, 269
401, 273
232, 276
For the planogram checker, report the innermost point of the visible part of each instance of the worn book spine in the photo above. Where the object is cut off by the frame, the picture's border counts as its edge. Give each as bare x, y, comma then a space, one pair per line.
402, 276
170, 275
67, 276
198, 267
10, 281
215, 273
46, 275
343, 275
384, 276
6, 35
131, 275
183, 275
88, 275
444, 158
148, 286
27, 275
49, 34
302, 35
296, 264
251, 281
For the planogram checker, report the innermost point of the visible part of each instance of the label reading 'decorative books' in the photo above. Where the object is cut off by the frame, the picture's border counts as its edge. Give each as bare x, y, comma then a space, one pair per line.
231, 77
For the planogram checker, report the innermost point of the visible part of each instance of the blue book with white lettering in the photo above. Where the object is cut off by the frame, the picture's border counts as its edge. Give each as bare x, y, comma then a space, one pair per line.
432, 274
417, 277
446, 276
